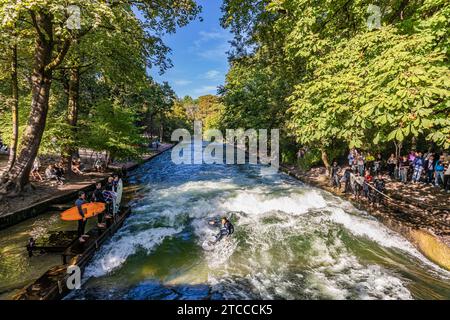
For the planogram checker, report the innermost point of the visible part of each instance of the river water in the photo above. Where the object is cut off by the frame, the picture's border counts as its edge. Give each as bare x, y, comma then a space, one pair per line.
291, 241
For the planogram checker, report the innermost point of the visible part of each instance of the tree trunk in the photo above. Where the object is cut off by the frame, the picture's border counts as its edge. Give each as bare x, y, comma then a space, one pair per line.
72, 117
14, 108
161, 129
325, 160
17, 178
151, 126
107, 159
398, 149
413, 144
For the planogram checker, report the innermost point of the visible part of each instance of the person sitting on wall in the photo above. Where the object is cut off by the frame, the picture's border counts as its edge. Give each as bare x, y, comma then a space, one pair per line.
76, 167
59, 172
98, 165
35, 170
51, 173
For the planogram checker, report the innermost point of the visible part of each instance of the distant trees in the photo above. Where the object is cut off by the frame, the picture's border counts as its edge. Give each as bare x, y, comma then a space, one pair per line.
159, 101
191, 107
207, 108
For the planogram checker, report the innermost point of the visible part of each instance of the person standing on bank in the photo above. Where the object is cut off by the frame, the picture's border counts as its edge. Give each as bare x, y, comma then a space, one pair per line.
335, 182
97, 196
108, 196
418, 164
115, 182
110, 184
391, 164
82, 222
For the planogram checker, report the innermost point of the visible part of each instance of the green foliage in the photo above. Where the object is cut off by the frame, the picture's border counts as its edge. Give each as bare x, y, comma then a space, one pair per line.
314, 69
214, 119
309, 160
373, 88
5, 118
113, 50
176, 118
110, 126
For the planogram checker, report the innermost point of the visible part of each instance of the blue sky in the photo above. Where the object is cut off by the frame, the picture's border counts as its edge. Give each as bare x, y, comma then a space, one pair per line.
198, 54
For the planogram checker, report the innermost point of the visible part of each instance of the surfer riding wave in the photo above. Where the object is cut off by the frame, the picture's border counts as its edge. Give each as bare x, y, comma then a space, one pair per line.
226, 228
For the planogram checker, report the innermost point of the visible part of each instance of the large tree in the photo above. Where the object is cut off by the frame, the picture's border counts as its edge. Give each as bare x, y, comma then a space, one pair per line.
16, 43
121, 62
54, 37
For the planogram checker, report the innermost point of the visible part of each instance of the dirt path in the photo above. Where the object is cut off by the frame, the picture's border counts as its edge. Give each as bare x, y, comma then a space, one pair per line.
44, 190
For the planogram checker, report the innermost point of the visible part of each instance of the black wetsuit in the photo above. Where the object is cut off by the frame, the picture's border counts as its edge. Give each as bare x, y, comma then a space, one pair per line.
225, 230
109, 186
97, 196
380, 186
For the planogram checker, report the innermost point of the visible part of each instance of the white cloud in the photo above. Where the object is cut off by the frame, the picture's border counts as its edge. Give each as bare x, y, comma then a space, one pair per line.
204, 90
208, 36
182, 82
212, 45
214, 35
218, 53
212, 75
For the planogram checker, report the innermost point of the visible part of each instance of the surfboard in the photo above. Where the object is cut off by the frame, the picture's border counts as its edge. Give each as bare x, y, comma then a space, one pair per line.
119, 192
209, 244
110, 197
90, 210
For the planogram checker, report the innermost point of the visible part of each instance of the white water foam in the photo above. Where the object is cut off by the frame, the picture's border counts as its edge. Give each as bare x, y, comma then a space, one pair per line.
255, 201
123, 245
365, 226
336, 275
261, 260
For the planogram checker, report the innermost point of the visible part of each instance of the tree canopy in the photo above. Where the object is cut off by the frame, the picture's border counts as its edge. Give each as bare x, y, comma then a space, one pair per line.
331, 76
83, 64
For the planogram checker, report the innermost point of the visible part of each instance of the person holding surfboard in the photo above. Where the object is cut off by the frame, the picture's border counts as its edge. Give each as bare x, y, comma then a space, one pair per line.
97, 196
108, 195
115, 182
82, 222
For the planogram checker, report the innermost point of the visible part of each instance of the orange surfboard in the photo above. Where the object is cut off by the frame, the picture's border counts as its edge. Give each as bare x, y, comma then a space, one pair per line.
90, 210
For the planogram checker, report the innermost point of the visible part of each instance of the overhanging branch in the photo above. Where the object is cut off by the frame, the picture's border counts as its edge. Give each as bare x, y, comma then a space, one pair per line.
60, 56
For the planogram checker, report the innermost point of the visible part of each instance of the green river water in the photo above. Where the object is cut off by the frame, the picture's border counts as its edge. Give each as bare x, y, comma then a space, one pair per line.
292, 241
